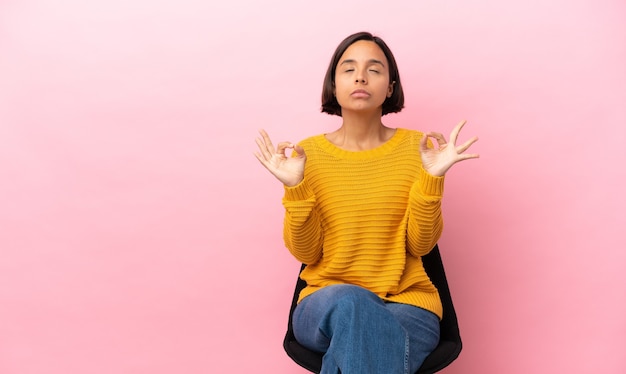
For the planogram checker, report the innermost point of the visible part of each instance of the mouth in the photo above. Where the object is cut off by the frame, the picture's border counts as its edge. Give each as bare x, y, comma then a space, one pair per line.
360, 93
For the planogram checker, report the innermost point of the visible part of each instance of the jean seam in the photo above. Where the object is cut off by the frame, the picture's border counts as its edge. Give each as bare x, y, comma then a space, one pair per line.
406, 353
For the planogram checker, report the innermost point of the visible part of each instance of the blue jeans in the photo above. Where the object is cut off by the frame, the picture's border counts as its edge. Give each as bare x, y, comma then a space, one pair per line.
361, 334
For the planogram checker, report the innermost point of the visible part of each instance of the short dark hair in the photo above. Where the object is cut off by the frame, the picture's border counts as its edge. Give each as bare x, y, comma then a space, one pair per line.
393, 104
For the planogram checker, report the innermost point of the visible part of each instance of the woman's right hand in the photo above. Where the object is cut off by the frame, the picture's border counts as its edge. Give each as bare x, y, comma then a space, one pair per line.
288, 170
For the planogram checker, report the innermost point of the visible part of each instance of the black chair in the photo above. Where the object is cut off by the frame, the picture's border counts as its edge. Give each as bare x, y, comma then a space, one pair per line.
449, 346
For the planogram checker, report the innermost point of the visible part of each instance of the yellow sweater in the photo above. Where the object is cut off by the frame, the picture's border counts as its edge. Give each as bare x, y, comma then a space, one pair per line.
366, 218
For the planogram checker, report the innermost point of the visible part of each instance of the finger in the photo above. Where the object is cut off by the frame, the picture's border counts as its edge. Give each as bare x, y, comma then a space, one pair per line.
467, 156
462, 148
299, 150
426, 145
261, 159
263, 148
424, 142
282, 146
455, 132
441, 140
267, 140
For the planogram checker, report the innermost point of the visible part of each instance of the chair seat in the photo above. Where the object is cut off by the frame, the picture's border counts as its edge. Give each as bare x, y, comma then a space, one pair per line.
447, 350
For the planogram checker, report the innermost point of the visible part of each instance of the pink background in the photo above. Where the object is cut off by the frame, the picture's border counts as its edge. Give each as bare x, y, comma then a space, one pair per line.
138, 234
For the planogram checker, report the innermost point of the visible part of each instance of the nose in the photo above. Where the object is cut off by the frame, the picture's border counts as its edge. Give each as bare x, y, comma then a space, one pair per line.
360, 78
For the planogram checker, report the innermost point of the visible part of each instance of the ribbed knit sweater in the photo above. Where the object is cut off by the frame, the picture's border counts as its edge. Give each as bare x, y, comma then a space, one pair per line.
366, 218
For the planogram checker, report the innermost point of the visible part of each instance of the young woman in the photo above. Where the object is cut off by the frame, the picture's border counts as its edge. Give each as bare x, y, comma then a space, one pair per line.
363, 205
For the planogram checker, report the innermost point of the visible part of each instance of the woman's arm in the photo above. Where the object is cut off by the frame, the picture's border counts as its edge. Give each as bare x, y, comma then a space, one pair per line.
425, 221
302, 230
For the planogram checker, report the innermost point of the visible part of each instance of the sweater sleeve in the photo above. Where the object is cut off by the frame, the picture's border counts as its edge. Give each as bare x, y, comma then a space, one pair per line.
302, 226
425, 221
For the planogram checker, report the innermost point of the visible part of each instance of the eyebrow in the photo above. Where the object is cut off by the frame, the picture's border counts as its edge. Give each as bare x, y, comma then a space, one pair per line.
371, 61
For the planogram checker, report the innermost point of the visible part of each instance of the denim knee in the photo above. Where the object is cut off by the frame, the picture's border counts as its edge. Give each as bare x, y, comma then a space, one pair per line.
354, 328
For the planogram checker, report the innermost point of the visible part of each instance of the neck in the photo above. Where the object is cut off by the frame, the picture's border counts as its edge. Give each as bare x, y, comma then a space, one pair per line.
360, 131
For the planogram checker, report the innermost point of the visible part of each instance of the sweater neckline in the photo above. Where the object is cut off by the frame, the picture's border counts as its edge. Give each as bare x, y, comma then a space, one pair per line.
379, 151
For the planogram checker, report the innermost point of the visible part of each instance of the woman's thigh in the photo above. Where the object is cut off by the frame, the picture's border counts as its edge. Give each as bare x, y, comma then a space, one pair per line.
313, 312
423, 329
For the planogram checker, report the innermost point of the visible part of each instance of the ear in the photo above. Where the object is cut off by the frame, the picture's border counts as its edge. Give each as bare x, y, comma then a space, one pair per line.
390, 89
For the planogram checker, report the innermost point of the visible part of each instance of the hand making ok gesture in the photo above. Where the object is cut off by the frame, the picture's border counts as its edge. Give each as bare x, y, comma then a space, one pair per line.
289, 170
438, 161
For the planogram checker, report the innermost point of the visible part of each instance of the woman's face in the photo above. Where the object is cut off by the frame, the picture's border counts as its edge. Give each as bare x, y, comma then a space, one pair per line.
362, 78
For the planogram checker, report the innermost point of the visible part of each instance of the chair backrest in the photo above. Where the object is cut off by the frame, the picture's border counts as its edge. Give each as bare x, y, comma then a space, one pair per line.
447, 350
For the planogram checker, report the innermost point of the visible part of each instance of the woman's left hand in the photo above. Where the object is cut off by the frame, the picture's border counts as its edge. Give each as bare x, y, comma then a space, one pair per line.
438, 161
